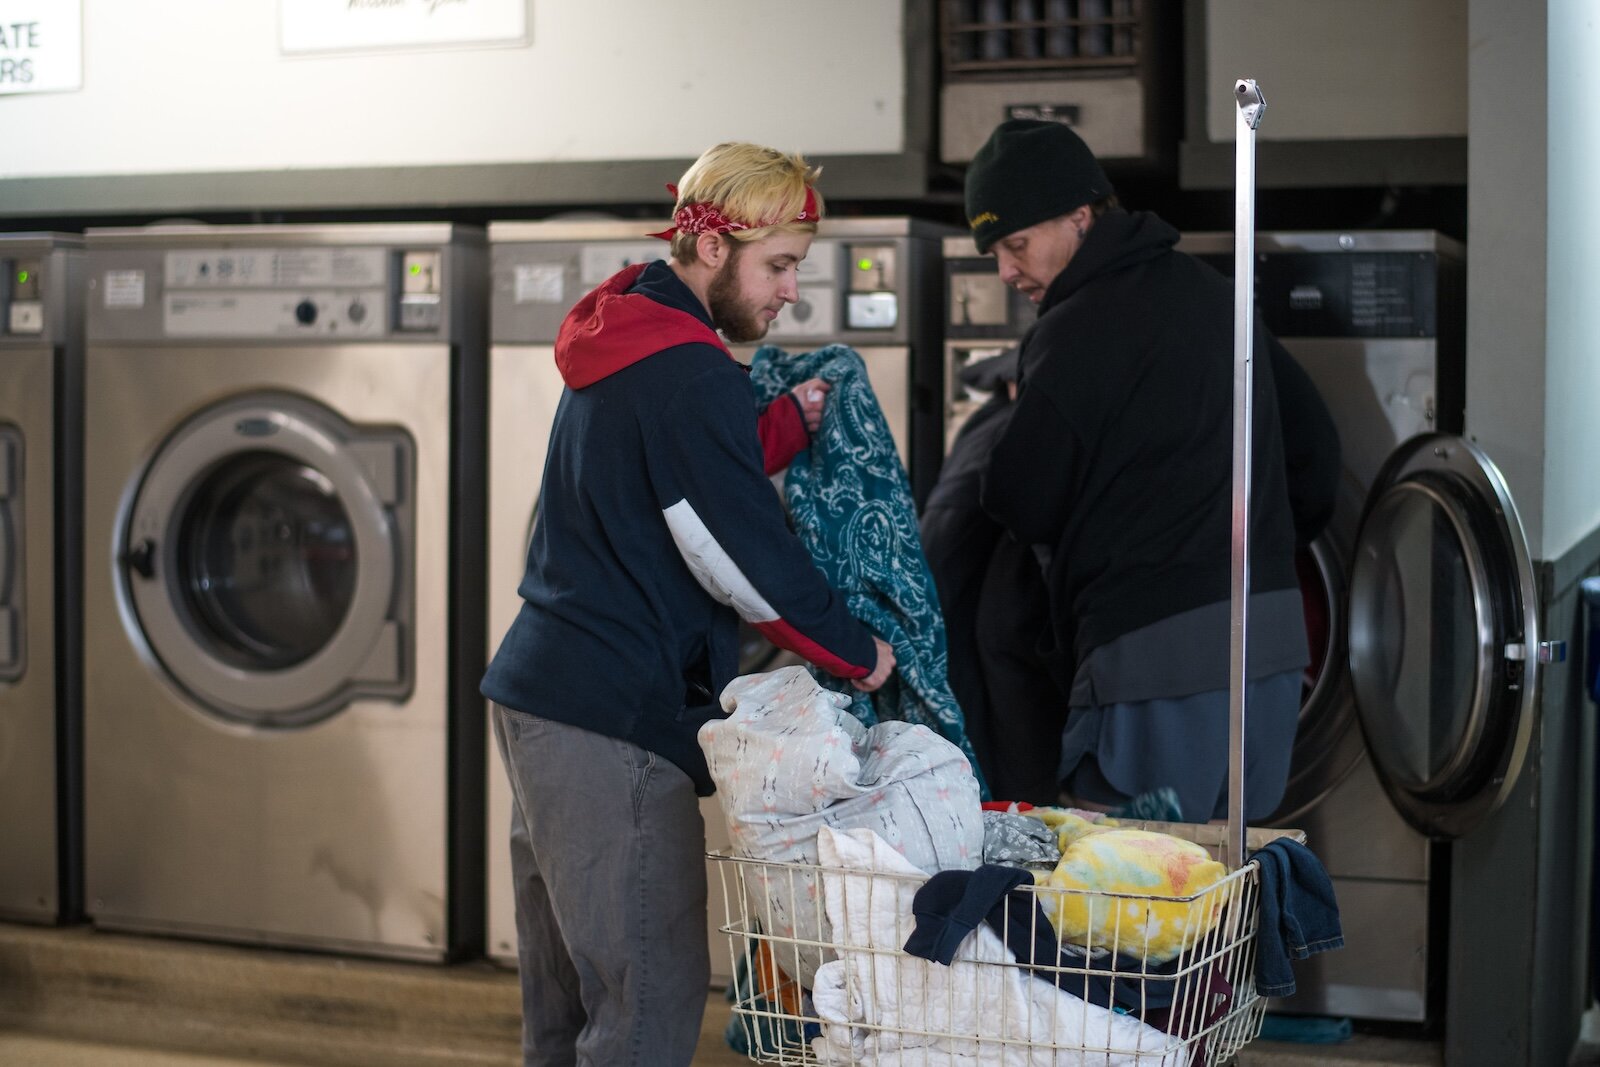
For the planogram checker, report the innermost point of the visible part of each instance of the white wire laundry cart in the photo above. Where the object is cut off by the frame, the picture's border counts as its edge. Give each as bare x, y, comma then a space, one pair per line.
834, 985
997, 1006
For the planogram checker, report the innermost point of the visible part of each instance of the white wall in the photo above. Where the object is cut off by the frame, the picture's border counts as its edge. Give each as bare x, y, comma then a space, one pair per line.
1533, 286
199, 85
1507, 211
1572, 305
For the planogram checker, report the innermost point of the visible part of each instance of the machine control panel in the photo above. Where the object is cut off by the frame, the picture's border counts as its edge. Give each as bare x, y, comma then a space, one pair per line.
851, 291
873, 268
874, 299
275, 292
1396, 284
815, 315
421, 290
360, 283
331, 313
844, 286
22, 297
597, 262
1354, 294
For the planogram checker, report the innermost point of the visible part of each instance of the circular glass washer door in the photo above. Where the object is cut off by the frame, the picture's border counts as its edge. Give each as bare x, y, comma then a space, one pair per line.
1443, 634
267, 559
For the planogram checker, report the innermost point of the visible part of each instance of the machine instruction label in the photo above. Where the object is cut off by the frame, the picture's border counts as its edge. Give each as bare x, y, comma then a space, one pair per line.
124, 288
538, 283
273, 268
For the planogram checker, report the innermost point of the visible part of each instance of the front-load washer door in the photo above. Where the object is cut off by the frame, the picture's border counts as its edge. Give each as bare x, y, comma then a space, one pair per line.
11, 565
1443, 634
266, 559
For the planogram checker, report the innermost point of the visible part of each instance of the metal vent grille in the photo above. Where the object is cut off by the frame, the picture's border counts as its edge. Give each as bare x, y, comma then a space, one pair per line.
1031, 37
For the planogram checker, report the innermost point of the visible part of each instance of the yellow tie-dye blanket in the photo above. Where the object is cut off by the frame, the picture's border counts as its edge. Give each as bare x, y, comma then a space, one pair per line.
1101, 859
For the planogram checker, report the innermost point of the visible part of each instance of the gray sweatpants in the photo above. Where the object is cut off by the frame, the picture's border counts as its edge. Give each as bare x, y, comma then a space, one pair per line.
607, 852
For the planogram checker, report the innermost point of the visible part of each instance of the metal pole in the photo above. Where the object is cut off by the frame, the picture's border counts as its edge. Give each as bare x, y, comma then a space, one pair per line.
1251, 104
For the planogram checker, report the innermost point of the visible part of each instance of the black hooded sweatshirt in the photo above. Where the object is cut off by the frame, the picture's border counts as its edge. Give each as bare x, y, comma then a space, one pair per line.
1118, 457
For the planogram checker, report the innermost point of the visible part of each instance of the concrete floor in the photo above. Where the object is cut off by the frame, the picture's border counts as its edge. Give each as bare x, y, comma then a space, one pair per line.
79, 998
37, 1050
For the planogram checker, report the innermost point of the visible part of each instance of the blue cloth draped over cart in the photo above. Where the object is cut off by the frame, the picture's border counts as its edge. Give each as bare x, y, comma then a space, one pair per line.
851, 504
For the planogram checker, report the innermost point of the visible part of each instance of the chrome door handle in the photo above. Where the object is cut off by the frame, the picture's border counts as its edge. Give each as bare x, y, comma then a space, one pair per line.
1547, 652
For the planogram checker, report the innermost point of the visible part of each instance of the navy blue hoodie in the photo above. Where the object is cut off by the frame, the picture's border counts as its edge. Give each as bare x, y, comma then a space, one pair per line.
657, 529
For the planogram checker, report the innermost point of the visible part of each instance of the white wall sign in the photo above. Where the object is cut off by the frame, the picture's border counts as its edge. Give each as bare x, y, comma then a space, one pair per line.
352, 25
233, 101
41, 46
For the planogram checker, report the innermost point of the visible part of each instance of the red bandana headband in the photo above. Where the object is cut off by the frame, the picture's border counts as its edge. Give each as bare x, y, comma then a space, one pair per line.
707, 218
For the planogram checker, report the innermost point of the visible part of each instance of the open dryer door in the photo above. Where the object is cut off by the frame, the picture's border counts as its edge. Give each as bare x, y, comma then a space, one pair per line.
1444, 634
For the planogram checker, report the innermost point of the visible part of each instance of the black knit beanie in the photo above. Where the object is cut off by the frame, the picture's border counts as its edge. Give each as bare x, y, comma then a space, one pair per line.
1026, 172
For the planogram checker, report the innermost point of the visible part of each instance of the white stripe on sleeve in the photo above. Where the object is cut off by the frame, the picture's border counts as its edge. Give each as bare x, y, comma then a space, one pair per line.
712, 567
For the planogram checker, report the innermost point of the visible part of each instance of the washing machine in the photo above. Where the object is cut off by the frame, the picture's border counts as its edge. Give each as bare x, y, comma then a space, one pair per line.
538, 271
283, 632
1421, 607
41, 362
1421, 602
870, 283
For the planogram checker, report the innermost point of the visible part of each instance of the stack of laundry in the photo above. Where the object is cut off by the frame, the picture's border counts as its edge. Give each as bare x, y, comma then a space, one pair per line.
895, 921
790, 759
882, 1008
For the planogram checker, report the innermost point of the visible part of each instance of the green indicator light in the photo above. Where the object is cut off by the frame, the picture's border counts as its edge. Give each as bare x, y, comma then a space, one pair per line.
416, 268
22, 277
864, 264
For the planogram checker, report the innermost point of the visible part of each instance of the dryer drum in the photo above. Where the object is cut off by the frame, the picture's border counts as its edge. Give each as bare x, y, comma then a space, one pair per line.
266, 560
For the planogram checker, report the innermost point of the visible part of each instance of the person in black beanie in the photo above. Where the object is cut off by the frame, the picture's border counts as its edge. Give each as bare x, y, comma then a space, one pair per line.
1116, 469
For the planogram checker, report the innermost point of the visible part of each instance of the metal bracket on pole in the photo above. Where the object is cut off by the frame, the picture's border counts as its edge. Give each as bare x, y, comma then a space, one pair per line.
1247, 94
1251, 103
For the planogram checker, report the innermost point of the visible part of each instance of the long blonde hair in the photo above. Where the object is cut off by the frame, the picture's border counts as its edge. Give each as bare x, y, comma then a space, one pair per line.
747, 183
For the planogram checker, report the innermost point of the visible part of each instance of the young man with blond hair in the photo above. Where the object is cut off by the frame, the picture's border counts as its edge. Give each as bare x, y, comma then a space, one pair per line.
657, 532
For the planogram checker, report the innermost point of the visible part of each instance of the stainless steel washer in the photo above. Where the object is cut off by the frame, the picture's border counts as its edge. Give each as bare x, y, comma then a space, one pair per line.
869, 283
1416, 724
41, 365
282, 491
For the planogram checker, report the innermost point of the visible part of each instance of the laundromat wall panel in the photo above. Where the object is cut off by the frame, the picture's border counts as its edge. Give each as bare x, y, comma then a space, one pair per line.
1378, 69
196, 86
1572, 371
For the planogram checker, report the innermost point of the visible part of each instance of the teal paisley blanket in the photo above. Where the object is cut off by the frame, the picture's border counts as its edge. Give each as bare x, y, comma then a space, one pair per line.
850, 501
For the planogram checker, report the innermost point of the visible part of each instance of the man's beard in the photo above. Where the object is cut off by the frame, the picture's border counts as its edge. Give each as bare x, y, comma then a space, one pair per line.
730, 313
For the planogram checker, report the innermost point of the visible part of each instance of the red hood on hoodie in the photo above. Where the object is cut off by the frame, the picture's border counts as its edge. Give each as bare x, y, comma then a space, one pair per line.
611, 328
